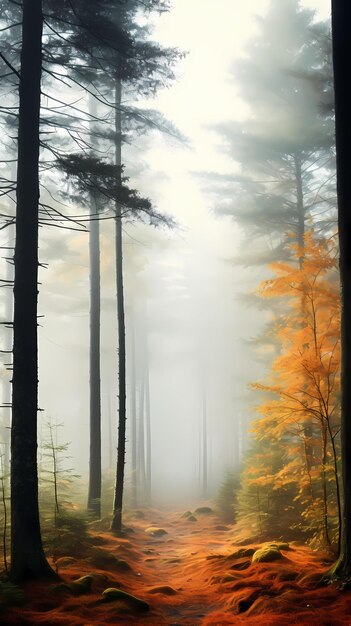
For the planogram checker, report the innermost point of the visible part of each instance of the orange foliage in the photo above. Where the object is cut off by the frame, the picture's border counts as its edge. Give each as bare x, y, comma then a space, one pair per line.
301, 416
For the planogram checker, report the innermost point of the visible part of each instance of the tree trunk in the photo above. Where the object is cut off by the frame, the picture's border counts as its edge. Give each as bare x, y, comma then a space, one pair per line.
325, 527
299, 206
27, 556
148, 430
141, 439
133, 434
341, 33
110, 433
94, 493
204, 445
116, 525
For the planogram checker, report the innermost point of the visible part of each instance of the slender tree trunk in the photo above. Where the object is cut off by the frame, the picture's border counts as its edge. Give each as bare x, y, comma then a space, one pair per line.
94, 490
324, 487
148, 430
116, 525
110, 433
133, 409
27, 556
204, 445
341, 33
299, 206
337, 484
94, 493
141, 439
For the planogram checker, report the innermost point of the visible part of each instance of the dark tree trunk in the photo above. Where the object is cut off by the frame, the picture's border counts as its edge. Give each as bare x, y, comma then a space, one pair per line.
341, 33
27, 556
94, 494
116, 525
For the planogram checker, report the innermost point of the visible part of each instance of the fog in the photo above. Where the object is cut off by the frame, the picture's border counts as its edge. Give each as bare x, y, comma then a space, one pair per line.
184, 286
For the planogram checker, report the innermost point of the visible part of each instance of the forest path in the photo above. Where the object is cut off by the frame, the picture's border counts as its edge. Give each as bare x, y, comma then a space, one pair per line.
191, 574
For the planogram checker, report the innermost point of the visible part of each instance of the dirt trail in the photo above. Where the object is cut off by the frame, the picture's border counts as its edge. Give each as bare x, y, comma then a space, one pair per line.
191, 574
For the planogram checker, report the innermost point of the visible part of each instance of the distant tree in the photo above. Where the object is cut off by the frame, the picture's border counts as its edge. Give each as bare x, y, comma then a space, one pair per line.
341, 52
285, 148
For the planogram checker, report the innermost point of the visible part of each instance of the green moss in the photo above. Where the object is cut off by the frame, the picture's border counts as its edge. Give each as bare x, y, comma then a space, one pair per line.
76, 587
267, 554
112, 594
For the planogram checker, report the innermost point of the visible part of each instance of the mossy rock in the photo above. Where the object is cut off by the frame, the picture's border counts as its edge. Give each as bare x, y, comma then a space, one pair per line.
138, 515
104, 559
65, 561
191, 518
243, 553
122, 565
186, 514
267, 554
113, 594
165, 590
100, 578
76, 587
280, 545
204, 510
221, 527
223, 578
154, 531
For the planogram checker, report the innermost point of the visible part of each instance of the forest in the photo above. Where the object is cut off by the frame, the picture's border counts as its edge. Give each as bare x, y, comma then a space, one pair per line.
175, 353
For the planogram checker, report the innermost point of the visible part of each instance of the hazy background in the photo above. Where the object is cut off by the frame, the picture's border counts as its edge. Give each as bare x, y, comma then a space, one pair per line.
181, 283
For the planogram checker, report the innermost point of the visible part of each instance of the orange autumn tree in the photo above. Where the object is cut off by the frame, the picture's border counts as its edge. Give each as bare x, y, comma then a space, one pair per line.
295, 459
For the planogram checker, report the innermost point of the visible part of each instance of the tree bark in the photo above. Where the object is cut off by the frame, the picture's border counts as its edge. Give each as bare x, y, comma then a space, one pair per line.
341, 34
27, 556
94, 493
116, 525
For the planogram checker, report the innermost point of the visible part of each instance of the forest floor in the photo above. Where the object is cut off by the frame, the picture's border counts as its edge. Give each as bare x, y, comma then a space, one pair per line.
192, 574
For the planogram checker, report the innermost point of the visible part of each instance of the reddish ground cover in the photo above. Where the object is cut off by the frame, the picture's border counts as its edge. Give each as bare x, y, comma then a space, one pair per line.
192, 575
